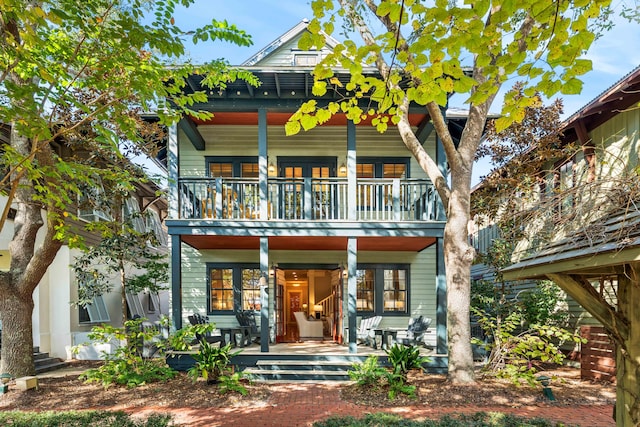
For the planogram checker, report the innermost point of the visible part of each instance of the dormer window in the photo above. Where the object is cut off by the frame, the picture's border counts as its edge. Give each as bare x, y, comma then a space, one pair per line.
306, 59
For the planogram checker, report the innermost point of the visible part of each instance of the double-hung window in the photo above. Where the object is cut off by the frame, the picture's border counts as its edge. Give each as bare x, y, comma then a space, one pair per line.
382, 289
233, 287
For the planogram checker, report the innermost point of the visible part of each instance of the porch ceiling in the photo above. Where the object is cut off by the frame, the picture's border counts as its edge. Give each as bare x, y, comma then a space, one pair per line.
280, 118
336, 243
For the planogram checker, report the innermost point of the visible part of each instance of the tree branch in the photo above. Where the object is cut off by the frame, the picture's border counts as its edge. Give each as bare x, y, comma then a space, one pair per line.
424, 160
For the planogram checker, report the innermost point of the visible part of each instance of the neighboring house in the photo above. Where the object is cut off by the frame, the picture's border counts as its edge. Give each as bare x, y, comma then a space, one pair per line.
339, 222
588, 210
58, 325
583, 227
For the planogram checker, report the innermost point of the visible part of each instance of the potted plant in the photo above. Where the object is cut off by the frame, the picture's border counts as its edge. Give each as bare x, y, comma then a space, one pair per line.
211, 362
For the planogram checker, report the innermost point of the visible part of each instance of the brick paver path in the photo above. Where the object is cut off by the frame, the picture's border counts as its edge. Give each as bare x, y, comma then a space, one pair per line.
299, 405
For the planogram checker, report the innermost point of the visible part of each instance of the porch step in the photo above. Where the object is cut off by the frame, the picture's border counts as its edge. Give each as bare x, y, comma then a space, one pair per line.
300, 370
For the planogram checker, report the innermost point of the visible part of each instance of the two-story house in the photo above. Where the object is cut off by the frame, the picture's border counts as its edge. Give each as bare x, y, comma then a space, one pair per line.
338, 222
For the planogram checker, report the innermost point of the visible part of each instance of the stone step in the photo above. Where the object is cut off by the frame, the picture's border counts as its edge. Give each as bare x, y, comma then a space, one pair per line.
302, 370
304, 365
293, 375
51, 364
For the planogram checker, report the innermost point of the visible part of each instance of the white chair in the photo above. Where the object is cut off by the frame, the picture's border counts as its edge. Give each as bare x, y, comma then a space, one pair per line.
365, 333
310, 329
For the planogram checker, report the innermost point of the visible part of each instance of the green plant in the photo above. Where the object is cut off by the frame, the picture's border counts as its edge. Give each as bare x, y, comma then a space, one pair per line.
398, 384
82, 419
183, 339
367, 373
231, 383
211, 362
479, 419
514, 350
126, 365
404, 358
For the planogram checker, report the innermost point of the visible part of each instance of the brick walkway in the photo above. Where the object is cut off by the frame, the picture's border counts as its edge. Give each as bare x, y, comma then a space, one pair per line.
300, 405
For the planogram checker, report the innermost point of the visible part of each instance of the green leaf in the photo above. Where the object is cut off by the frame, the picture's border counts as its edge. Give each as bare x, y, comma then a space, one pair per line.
572, 87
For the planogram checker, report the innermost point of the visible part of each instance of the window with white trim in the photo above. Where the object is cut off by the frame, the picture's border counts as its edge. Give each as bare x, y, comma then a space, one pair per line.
131, 211
153, 223
134, 305
90, 204
96, 312
153, 301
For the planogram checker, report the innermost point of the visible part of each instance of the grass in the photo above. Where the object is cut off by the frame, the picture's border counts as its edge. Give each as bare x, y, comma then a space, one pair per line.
479, 419
81, 419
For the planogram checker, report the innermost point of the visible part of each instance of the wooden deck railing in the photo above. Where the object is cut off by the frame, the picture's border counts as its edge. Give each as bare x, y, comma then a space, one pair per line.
307, 199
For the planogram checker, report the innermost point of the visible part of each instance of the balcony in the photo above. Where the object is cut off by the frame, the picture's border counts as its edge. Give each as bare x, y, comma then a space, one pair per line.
309, 199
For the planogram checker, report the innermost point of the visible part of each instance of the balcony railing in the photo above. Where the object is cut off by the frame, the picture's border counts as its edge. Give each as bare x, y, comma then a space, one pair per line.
313, 199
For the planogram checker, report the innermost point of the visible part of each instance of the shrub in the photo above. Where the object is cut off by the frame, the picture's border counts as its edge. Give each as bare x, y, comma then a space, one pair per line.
367, 373
484, 419
126, 365
81, 419
404, 358
212, 362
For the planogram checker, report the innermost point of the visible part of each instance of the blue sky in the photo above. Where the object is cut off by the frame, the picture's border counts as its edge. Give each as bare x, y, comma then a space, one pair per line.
613, 55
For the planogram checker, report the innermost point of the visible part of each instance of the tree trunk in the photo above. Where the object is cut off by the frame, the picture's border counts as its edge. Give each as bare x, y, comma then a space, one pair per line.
628, 353
17, 333
458, 256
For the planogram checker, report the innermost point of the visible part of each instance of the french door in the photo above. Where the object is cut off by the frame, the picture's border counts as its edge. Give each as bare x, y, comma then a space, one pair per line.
306, 188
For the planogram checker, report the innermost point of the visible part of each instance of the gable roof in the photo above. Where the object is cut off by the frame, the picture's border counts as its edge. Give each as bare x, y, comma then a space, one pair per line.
294, 33
618, 97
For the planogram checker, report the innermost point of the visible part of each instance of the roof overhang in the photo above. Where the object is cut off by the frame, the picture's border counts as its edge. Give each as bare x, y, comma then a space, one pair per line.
619, 97
587, 254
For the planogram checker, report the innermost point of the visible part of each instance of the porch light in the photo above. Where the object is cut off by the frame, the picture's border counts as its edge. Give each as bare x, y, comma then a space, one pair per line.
342, 170
271, 169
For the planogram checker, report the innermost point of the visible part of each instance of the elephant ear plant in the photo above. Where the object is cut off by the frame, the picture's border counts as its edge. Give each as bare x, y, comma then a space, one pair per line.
213, 364
403, 358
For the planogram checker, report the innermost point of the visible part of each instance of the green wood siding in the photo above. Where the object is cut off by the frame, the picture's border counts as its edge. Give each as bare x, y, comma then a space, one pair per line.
422, 277
239, 140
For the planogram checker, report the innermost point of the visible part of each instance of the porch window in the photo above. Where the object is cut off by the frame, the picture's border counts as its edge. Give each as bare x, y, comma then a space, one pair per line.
232, 167
382, 289
395, 291
233, 287
251, 289
365, 290
221, 285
